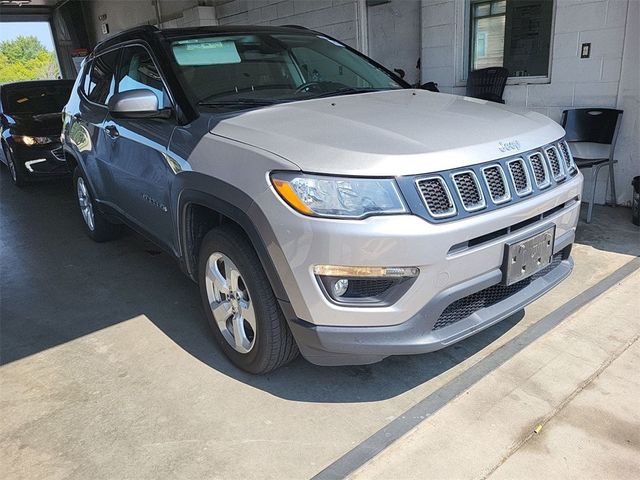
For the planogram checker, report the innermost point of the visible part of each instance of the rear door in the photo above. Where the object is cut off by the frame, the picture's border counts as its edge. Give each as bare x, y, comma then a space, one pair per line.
142, 178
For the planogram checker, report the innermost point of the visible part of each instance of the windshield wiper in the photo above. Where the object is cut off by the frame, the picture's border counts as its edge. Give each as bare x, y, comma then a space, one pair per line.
345, 91
249, 102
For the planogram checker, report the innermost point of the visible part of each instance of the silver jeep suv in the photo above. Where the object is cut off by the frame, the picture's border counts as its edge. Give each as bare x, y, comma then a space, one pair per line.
321, 204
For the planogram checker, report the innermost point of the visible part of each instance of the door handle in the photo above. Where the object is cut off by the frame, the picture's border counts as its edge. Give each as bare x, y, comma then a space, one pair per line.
112, 131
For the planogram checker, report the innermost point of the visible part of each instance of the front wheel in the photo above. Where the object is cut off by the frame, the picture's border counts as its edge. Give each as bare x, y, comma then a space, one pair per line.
15, 170
97, 226
239, 303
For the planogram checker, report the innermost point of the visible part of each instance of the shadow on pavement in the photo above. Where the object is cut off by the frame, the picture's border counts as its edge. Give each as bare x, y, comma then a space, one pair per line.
58, 285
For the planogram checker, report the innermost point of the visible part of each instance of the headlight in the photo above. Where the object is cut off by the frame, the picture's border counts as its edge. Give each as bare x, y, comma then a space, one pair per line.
343, 197
27, 140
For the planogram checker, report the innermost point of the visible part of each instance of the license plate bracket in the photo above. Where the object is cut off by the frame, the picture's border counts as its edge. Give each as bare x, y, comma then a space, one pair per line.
527, 256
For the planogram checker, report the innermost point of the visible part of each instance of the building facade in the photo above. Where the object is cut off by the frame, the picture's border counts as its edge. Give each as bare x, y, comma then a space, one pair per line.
562, 54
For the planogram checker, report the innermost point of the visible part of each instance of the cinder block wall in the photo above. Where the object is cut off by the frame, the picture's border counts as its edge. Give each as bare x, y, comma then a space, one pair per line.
610, 78
337, 18
574, 82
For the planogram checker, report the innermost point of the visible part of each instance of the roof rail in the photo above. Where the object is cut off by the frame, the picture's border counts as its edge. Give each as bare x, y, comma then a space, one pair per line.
296, 26
125, 33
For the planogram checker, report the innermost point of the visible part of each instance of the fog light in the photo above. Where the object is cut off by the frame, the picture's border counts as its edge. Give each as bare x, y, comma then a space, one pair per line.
340, 287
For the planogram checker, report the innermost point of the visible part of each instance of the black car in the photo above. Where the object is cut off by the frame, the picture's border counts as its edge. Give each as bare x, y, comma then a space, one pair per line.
30, 127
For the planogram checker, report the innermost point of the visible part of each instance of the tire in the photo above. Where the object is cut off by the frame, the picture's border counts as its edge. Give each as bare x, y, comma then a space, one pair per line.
96, 225
16, 172
264, 342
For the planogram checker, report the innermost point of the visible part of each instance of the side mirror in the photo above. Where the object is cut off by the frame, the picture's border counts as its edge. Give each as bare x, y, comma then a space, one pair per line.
139, 103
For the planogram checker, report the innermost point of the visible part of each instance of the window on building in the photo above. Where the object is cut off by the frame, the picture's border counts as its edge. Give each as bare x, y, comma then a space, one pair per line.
515, 34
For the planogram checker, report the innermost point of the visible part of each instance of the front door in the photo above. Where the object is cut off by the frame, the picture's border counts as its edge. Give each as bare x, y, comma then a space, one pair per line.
142, 178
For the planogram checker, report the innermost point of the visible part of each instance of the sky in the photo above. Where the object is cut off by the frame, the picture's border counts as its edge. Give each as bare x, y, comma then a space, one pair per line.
10, 30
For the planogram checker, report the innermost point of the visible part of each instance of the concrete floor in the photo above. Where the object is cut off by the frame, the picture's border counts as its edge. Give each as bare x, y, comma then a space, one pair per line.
109, 370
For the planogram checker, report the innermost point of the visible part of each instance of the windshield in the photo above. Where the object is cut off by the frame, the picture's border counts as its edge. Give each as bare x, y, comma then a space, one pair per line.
36, 100
261, 69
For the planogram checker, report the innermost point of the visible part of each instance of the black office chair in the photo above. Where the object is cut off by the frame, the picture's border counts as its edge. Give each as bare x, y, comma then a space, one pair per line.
487, 83
592, 135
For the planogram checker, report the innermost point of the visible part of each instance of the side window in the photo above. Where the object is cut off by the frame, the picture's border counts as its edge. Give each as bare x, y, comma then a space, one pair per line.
100, 82
137, 70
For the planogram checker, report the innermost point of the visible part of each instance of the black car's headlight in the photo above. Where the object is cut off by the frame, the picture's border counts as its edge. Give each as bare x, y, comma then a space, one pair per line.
339, 197
29, 140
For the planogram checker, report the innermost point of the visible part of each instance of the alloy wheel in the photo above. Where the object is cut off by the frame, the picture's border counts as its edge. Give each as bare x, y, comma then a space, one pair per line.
86, 207
230, 302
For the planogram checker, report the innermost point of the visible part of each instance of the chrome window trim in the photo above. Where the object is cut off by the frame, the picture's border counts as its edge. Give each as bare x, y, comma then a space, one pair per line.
543, 162
483, 203
507, 195
529, 189
563, 174
453, 212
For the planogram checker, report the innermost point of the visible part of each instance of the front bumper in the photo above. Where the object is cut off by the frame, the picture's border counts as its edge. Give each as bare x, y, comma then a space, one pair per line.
40, 160
330, 345
332, 334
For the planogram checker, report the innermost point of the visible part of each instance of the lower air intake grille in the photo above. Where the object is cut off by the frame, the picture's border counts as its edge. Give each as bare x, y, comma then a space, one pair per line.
437, 197
367, 288
539, 172
554, 161
58, 153
461, 309
496, 183
469, 190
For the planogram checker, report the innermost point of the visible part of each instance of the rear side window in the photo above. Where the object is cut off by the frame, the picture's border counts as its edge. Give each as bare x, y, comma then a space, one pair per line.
100, 83
137, 71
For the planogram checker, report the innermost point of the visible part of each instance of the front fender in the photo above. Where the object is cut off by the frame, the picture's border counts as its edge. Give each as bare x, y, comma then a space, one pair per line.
236, 205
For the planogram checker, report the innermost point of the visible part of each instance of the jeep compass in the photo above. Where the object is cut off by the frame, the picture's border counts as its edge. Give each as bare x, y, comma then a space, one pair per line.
322, 205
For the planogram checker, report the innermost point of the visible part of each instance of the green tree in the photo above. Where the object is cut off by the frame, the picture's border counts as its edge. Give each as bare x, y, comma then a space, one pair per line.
25, 58
22, 48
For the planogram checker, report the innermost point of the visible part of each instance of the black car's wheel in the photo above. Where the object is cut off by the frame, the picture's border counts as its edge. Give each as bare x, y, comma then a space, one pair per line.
15, 170
97, 226
240, 305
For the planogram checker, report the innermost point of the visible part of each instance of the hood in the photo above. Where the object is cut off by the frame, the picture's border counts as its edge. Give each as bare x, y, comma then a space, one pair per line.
39, 125
400, 132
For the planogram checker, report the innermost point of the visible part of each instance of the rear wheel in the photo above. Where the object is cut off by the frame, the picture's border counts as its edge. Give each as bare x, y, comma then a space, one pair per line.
240, 306
97, 226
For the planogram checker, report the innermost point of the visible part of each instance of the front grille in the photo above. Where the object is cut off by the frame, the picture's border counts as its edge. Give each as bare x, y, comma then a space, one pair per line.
437, 197
469, 190
472, 190
554, 161
497, 184
367, 288
58, 153
464, 307
566, 156
520, 177
539, 170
